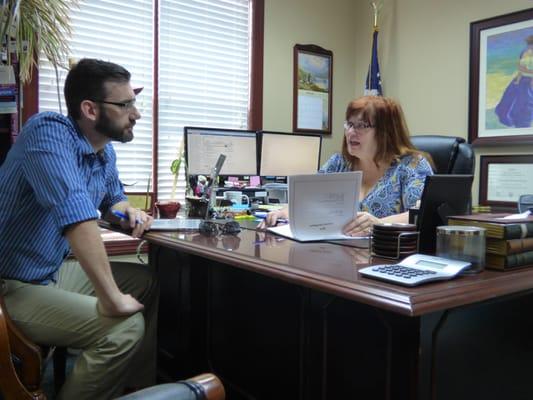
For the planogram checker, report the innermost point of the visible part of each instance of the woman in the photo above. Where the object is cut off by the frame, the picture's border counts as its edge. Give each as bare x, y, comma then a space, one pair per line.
377, 143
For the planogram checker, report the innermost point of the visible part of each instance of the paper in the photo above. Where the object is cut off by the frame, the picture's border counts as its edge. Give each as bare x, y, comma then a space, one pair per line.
320, 205
255, 181
525, 214
177, 224
506, 182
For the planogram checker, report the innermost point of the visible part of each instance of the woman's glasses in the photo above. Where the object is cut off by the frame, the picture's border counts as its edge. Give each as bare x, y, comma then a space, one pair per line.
210, 228
357, 126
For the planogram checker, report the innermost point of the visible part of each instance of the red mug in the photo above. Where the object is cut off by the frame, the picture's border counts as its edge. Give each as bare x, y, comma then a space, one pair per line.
167, 209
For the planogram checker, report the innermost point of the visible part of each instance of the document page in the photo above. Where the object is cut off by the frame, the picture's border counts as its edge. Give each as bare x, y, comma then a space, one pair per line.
320, 205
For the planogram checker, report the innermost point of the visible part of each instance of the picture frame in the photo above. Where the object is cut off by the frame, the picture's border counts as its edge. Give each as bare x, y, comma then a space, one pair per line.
504, 178
312, 89
499, 48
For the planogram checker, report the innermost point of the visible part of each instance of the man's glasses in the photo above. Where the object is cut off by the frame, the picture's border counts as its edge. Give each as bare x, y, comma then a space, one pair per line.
125, 105
357, 126
210, 228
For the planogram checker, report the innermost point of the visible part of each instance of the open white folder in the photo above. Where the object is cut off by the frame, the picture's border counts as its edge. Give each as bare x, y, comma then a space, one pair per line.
320, 205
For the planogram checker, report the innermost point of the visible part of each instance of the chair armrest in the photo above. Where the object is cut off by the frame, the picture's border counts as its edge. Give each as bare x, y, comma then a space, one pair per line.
201, 387
211, 386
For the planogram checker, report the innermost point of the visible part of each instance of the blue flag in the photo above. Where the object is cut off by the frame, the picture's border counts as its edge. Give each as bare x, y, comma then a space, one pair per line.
373, 78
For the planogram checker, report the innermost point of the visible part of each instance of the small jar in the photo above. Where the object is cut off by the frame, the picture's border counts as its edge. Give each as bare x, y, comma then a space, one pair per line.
465, 243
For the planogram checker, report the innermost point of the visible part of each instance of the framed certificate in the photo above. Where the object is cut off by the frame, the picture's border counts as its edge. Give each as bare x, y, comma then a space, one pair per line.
312, 89
504, 178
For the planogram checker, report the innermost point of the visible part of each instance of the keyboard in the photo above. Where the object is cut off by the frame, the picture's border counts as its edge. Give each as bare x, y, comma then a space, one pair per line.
177, 224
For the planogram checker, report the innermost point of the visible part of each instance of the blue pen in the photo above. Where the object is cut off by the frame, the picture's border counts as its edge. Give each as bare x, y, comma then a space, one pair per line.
263, 214
121, 215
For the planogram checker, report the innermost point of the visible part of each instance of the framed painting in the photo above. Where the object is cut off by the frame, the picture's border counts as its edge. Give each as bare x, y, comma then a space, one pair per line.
501, 80
312, 89
503, 179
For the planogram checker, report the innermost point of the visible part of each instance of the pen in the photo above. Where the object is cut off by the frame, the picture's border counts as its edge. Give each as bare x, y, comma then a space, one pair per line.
263, 214
121, 215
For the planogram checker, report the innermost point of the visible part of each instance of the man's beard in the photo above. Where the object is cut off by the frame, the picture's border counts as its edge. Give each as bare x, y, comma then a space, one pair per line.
107, 127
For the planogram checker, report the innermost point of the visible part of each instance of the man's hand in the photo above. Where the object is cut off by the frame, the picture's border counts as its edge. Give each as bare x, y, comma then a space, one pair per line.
123, 305
86, 243
138, 221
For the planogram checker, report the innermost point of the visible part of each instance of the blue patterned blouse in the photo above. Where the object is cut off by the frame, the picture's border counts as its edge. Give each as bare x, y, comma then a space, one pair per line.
396, 191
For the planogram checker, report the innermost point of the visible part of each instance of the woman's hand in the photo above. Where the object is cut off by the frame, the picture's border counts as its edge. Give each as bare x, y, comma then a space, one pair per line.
361, 225
272, 218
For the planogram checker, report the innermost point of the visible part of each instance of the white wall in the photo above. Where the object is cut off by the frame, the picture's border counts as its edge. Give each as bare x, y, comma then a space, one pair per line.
329, 24
423, 50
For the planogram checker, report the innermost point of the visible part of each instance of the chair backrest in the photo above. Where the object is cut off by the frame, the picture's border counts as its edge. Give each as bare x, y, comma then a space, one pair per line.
525, 202
450, 154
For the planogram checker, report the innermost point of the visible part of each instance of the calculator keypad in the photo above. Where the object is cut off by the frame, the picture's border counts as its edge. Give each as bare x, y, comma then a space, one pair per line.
401, 271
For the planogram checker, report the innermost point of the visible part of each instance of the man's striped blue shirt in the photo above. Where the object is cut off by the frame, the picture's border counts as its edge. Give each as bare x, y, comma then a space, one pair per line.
51, 178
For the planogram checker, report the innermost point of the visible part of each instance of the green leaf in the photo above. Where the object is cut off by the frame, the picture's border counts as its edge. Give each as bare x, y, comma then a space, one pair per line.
175, 166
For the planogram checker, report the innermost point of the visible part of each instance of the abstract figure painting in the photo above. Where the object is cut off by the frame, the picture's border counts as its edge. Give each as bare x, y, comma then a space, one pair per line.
515, 108
501, 79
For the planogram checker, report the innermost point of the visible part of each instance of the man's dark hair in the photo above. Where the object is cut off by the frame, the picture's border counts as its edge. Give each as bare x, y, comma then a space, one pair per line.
86, 79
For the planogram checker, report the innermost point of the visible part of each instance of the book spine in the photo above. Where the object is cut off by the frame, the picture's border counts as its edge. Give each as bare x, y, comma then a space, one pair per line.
506, 247
517, 260
518, 231
519, 245
512, 261
499, 231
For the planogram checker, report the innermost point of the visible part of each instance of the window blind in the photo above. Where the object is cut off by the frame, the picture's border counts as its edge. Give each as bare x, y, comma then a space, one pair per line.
120, 32
203, 73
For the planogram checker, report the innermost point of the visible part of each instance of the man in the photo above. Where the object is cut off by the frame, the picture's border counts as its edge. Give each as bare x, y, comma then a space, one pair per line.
56, 179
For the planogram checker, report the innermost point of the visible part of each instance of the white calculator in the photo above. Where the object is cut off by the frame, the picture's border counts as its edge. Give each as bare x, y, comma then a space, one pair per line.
416, 269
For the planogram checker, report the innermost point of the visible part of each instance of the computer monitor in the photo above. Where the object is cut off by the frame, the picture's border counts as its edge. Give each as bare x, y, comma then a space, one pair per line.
285, 154
204, 145
443, 196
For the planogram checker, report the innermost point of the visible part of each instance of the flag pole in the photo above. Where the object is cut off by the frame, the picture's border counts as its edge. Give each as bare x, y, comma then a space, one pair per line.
376, 7
373, 75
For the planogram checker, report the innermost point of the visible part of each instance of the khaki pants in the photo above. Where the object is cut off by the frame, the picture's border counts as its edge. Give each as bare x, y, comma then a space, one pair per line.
115, 352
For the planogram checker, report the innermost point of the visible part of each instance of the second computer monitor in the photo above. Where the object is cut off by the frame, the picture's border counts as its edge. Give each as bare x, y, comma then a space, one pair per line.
285, 154
204, 145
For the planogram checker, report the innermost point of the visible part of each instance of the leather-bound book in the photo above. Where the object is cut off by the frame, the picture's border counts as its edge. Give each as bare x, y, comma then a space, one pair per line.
506, 247
496, 226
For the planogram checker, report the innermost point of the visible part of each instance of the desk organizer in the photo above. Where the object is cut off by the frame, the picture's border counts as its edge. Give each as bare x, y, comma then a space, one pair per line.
394, 241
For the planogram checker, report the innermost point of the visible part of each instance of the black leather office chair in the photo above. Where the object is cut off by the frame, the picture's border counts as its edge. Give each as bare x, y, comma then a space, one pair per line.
451, 154
525, 202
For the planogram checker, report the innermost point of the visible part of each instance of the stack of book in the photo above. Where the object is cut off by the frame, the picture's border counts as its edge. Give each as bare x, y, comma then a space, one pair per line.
509, 241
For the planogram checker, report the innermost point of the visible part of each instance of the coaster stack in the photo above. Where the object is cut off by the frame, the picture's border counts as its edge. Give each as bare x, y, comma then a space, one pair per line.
395, 241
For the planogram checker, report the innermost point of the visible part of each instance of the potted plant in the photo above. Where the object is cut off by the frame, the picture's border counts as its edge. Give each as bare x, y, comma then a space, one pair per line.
169, 209
28, 27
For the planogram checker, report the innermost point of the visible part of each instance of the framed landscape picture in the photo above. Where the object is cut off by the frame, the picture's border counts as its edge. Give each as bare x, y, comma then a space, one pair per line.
312, 89
501, 79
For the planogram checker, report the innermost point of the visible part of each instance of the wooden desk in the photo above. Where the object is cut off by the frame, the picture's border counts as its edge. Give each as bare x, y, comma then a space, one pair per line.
278, 319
